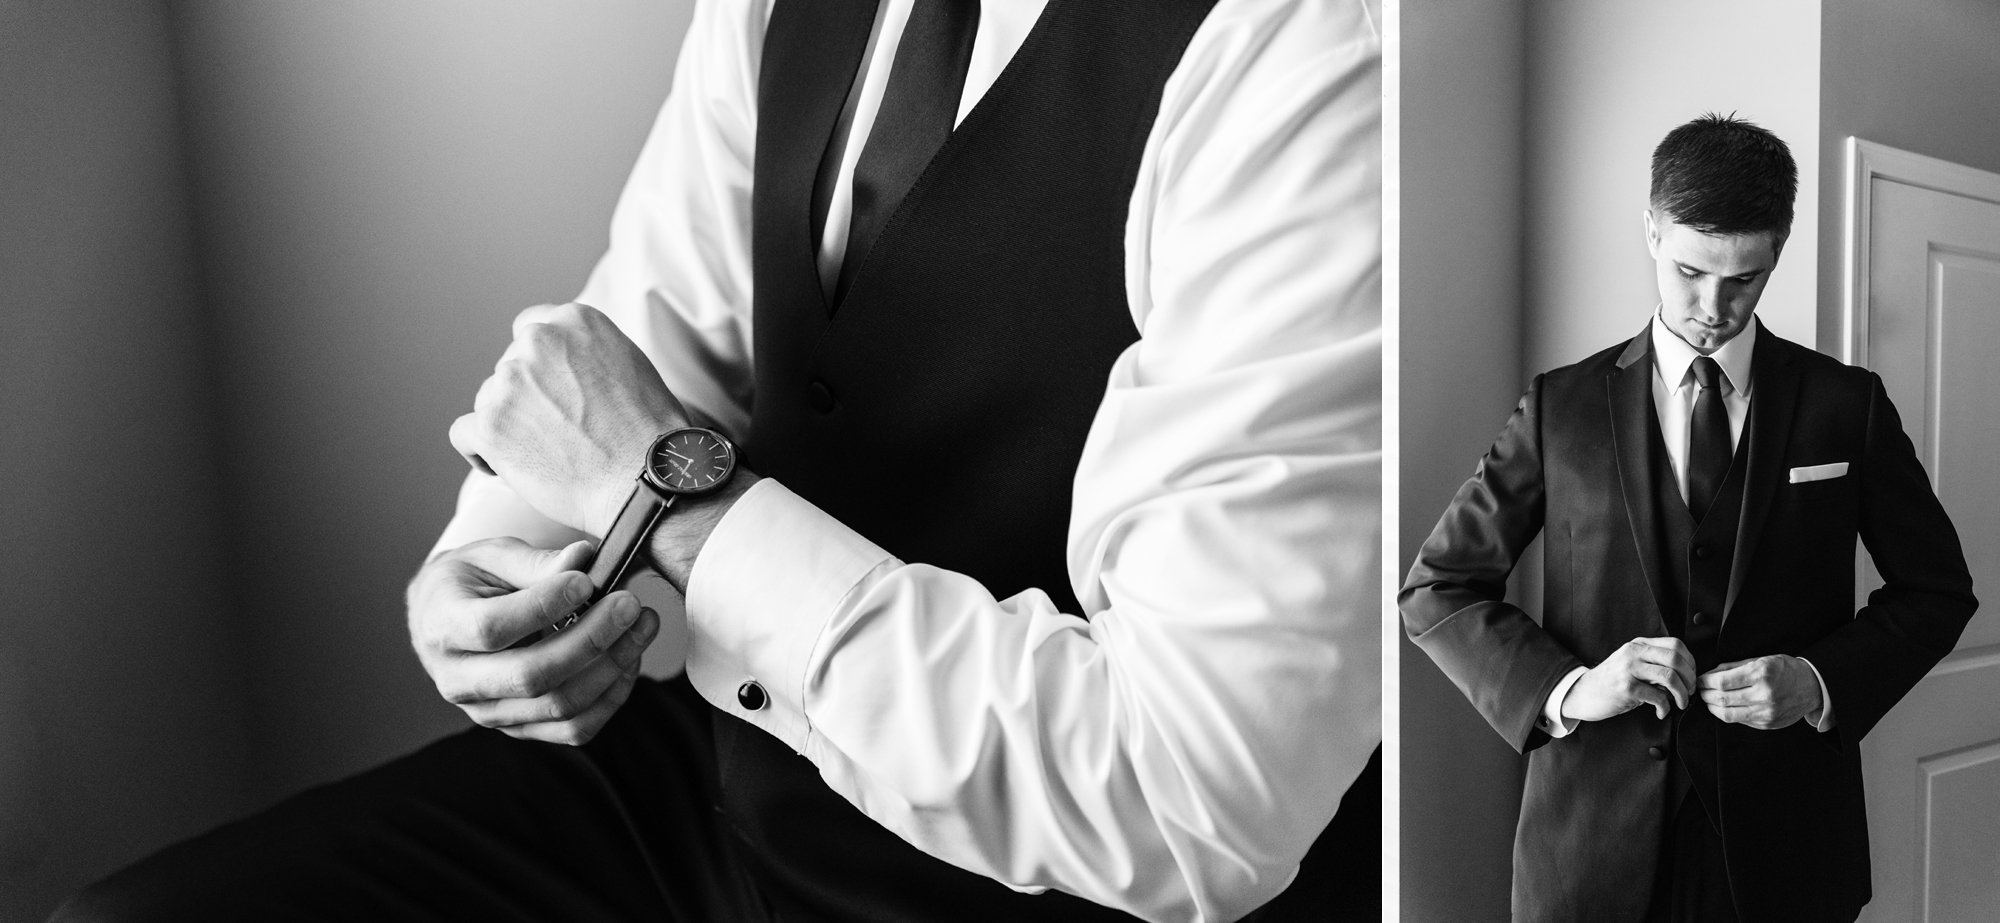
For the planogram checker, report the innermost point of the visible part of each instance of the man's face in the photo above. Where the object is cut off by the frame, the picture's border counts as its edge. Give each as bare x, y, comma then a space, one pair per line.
1709, 283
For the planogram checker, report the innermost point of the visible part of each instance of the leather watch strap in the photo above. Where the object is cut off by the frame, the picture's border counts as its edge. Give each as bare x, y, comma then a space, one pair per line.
622, 544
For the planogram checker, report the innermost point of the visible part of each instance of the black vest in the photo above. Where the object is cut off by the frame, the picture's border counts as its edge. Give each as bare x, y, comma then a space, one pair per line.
1698, 559
940, 409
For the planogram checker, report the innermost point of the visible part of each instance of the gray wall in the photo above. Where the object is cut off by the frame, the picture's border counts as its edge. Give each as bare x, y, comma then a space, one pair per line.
1460, 315
1605, 82
122, 720
382, 186
255, 255
1921, 75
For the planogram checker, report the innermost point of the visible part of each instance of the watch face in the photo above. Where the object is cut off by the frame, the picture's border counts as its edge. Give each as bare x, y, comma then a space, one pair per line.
691, 460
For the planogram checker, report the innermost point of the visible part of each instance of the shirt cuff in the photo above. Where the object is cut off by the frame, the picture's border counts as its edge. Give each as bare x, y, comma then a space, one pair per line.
1552, 721
758, 597
1822, 720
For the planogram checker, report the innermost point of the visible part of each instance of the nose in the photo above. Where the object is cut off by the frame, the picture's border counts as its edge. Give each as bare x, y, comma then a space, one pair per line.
1708, 300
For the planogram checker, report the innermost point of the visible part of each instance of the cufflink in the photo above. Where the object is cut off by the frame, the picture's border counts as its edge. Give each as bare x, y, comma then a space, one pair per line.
751, 696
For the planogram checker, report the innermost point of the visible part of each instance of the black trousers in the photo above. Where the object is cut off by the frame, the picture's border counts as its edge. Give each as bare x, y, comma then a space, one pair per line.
480, 826
1691, 883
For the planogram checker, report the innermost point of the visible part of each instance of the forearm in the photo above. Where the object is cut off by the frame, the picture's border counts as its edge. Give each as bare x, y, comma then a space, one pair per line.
1507, 666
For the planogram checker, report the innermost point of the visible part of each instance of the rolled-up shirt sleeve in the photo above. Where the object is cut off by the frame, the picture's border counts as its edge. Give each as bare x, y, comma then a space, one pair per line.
1174, 749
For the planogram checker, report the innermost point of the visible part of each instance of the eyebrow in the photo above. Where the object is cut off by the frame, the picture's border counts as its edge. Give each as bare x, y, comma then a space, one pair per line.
1746, 276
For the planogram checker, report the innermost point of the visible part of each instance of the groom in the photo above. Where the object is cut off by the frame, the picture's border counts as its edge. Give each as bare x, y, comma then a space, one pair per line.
1695, 694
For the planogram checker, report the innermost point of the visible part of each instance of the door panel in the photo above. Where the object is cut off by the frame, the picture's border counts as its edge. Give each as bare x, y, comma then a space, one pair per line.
1933, 765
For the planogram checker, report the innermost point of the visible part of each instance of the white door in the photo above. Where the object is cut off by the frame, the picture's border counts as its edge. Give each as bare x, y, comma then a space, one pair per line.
1925, 315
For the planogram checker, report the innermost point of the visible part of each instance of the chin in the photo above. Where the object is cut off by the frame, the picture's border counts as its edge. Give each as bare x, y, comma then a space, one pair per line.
1706, 338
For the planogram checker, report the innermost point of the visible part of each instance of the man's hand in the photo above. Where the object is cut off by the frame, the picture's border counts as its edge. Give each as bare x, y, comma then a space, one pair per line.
1644, 671
1765, 693
567, 415
470, 604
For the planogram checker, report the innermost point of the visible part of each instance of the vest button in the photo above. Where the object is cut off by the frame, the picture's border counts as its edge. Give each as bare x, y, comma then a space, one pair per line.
1699, 618
1656, 753
820, 397
1701, 551
751, 696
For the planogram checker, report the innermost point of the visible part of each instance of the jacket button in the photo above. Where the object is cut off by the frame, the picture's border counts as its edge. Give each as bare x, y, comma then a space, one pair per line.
751, 696
1699, 618
820, 396
1656, 753
1701, 551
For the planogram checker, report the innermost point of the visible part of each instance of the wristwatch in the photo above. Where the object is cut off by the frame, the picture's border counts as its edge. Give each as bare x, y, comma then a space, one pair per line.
686, 462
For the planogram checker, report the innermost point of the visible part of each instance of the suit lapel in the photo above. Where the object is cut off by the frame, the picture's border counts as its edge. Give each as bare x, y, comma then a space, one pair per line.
798, 108
1633, 429
1768, 430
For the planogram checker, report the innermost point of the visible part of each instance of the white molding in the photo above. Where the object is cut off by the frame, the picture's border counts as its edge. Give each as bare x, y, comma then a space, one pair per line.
1929, 770
1868, 161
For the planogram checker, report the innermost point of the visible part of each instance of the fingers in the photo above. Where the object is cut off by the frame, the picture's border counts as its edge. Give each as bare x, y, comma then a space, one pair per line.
540, 668
572, 313
580, 692
1682, 659
1759, 717
1649, 694
1669, 653
518, 564
1747, 692
1660, 677
496, 623
539, 314
1735, 674
468, 438
579, 730
449, 597
1743, 696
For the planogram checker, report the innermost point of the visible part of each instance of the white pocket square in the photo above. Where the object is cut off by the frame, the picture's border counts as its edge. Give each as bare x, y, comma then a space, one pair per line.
1818, 472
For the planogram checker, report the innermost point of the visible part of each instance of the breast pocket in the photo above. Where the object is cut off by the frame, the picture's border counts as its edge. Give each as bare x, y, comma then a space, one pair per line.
1820, 486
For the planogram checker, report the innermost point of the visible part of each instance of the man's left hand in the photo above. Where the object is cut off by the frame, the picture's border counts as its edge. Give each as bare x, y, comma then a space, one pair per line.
567, 415
1765, 693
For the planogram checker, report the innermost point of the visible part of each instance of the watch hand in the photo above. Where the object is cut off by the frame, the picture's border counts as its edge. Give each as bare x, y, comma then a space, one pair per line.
677, 455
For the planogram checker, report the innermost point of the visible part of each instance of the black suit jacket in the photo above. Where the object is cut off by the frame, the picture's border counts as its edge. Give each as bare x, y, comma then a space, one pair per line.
1574, 466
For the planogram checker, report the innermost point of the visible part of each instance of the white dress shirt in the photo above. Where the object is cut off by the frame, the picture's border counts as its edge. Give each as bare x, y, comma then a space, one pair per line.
1173, 754
1674, 392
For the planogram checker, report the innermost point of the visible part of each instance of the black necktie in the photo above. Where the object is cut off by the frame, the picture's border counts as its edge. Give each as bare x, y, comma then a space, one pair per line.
1709, 450
918, 108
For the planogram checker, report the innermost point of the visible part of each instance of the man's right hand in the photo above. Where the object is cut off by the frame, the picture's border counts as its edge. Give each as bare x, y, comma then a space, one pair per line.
1644, 671
469, 605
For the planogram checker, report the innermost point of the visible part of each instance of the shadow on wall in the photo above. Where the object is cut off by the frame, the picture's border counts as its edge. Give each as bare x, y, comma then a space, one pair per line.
254, 259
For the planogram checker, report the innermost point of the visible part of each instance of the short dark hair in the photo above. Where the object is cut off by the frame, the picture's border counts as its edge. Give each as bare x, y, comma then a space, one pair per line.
1725, 175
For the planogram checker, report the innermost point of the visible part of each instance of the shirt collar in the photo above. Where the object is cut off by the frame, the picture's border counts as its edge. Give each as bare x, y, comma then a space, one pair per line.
1672, 356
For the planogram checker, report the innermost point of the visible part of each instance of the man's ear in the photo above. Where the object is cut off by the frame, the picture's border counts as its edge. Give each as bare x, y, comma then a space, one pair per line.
1652, 233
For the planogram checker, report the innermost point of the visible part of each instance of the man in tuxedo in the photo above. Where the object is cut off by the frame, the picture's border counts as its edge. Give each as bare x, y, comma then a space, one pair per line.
1042, 583
1694, 696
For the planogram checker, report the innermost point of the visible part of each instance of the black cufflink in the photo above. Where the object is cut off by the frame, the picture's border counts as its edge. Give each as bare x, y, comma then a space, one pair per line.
751, 696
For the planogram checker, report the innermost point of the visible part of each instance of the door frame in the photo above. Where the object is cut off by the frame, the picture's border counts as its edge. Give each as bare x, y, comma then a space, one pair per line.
1866, 162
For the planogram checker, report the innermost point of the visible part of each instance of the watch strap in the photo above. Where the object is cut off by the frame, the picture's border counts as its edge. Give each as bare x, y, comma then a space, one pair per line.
622, 544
